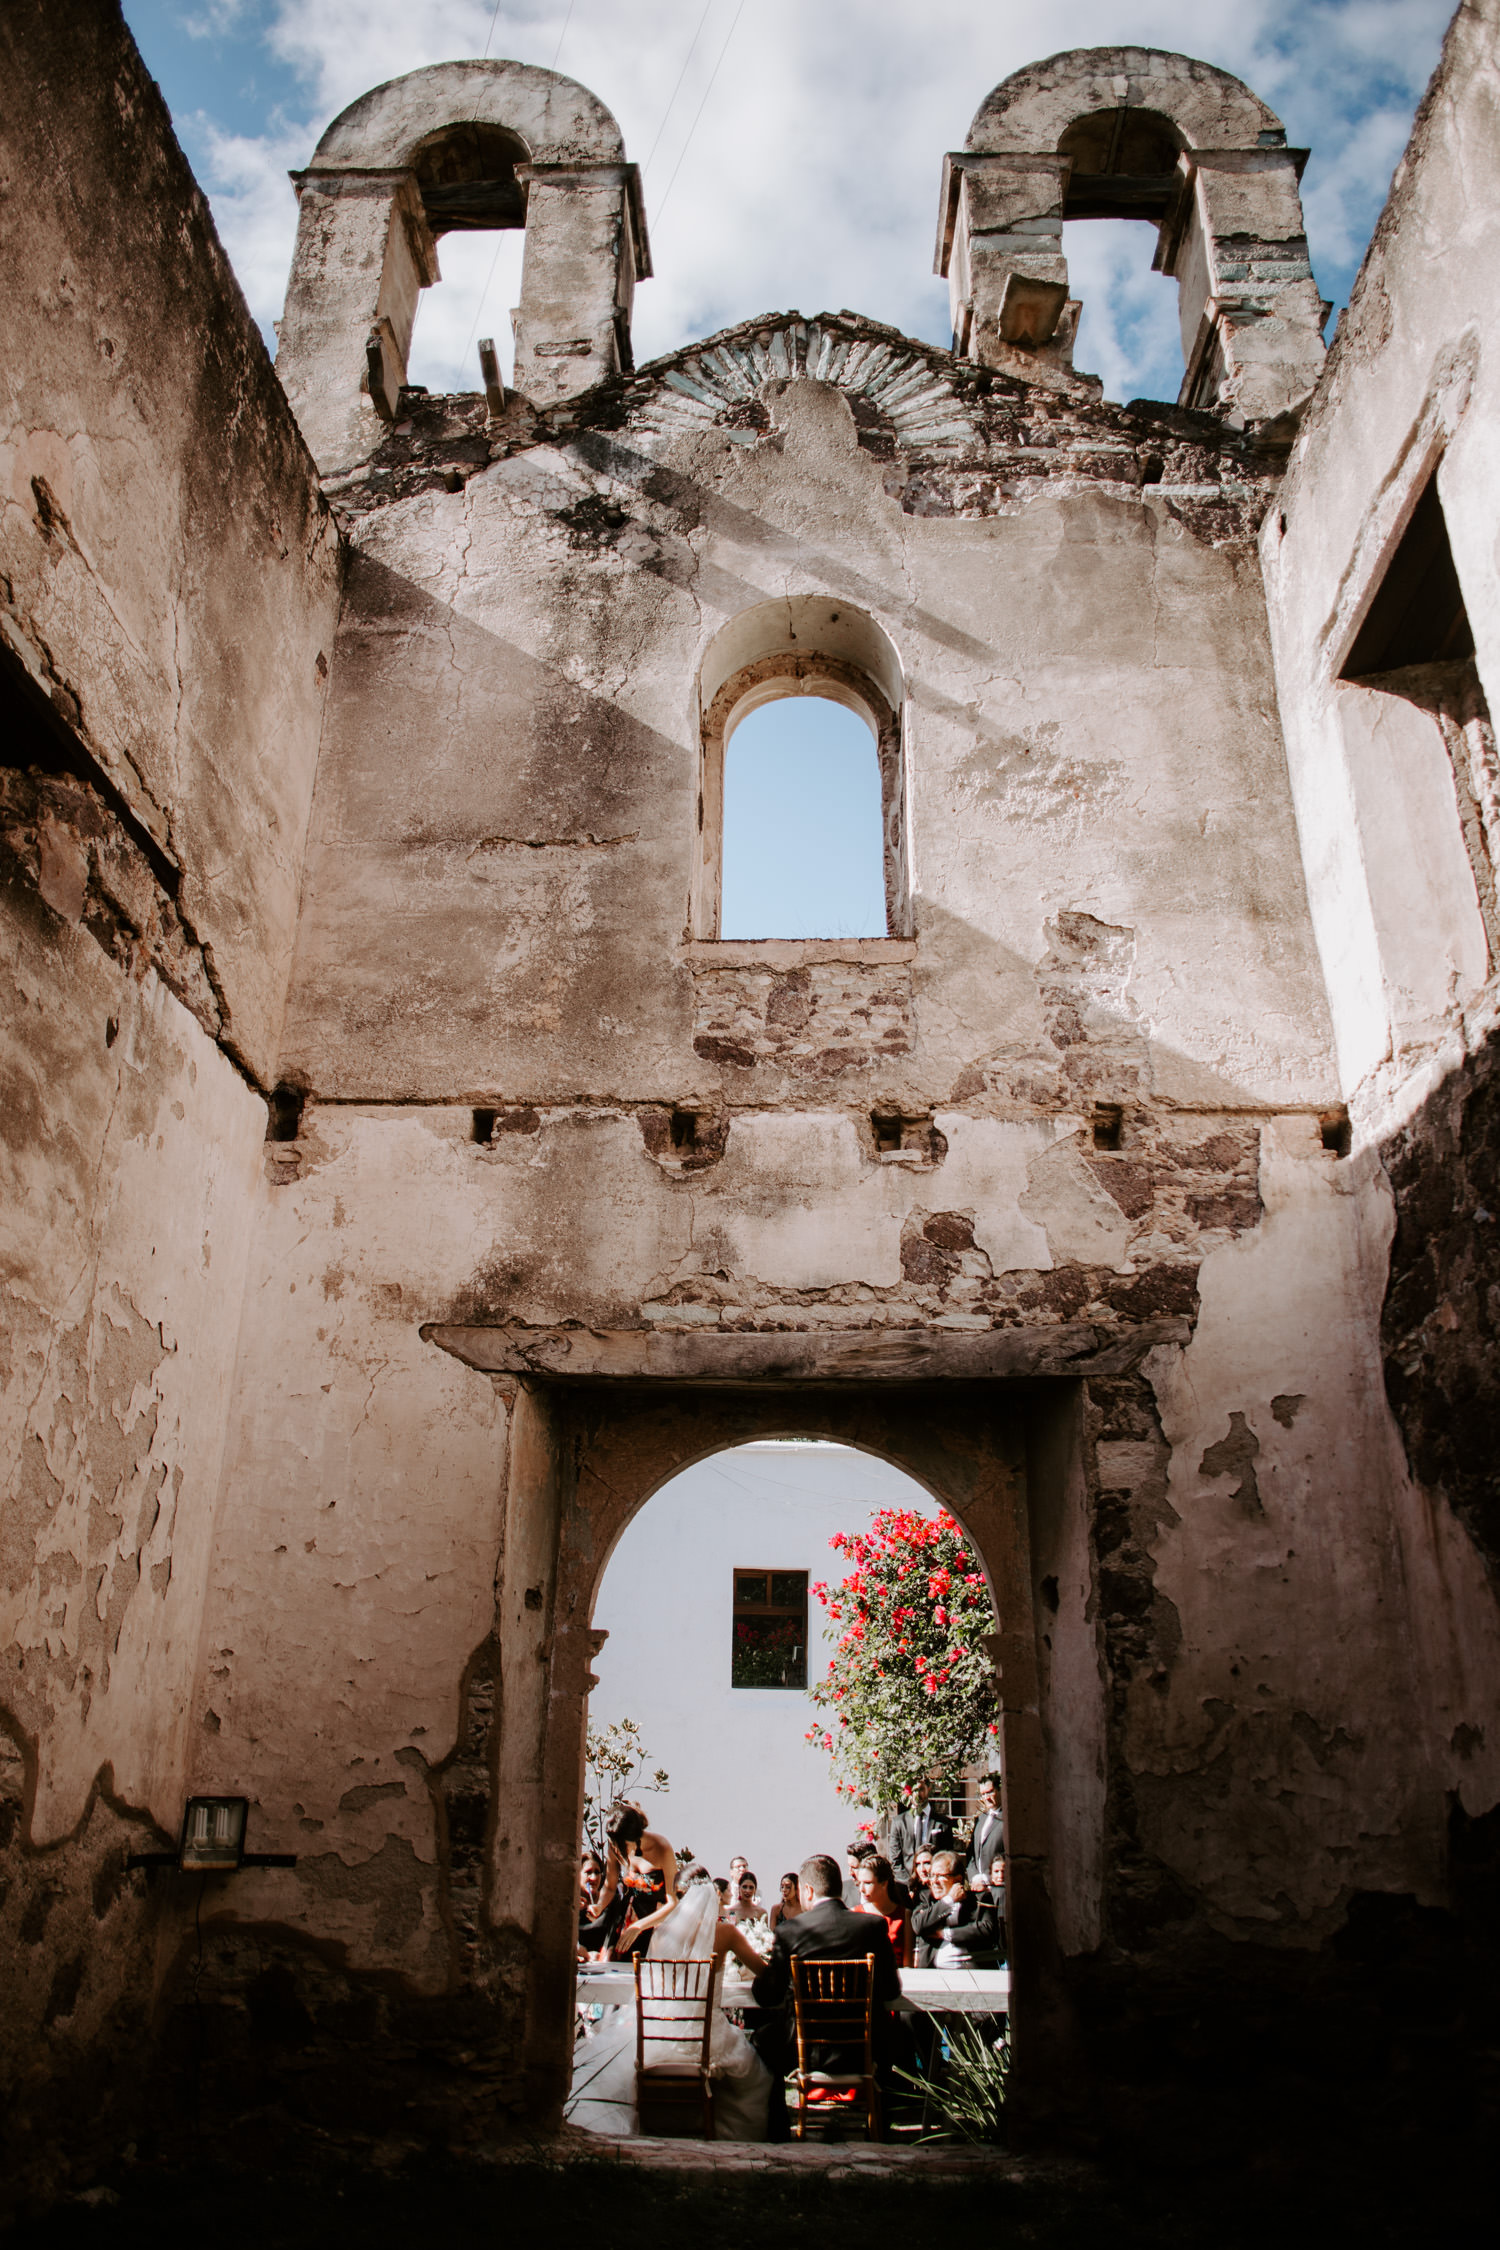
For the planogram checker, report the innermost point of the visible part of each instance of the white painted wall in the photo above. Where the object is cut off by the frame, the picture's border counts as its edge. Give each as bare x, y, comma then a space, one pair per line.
743, 1779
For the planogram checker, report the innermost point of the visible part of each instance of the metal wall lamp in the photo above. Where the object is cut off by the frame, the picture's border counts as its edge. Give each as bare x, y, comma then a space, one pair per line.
212, 1841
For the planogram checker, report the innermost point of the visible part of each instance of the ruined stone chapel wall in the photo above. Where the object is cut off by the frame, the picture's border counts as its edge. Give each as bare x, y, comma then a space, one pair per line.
569, 1185
169, 590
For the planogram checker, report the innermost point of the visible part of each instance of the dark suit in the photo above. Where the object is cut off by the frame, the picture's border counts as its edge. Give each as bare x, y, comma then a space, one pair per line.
987, 1843
825, 1932
972, 1927
911, 1828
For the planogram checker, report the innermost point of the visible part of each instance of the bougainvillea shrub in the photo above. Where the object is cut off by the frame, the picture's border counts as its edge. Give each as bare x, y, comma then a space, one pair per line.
910, 1692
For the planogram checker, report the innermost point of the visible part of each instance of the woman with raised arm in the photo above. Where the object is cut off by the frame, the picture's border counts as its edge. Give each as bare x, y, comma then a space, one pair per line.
644, 1864
603, 2095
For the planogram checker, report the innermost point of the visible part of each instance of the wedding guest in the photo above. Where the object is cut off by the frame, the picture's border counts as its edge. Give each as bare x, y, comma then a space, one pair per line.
789, 1905
861, 1849
591, 1879
919, 1893
915, 1822
960, 1930
825, 1930
643, 1862
989, 1829
880, 1894
745, 1906
995, 1898
721, 1885
600, 1916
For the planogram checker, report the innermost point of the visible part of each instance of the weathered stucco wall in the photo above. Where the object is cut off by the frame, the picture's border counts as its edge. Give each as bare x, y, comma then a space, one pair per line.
512, 760
1107, 909
170, 566
1399, 893
1413, 382
170, 583
1393, 803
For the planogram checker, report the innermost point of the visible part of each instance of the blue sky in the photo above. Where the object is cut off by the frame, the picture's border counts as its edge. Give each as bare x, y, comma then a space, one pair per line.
791, 153
797, 775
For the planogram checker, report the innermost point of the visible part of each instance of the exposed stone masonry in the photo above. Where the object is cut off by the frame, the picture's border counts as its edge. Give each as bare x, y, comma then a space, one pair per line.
990, 444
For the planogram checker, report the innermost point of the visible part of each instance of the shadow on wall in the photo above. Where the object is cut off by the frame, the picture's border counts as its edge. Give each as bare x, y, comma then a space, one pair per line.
1440, 1336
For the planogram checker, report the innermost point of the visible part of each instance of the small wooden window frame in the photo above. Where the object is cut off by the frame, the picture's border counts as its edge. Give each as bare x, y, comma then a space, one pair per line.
767, 1610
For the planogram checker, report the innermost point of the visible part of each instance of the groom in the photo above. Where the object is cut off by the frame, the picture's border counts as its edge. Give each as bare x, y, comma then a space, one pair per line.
825, 1930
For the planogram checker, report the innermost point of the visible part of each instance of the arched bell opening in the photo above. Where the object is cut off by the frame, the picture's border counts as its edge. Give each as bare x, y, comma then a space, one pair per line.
472, 180
1131, 133
454, 150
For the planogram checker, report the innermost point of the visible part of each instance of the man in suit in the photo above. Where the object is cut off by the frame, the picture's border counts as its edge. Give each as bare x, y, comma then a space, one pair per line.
988, 1841
958, 1925
914, 1823
825, 1930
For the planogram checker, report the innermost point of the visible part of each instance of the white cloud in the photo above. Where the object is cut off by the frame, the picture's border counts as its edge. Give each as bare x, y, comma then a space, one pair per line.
811, 178
253, 205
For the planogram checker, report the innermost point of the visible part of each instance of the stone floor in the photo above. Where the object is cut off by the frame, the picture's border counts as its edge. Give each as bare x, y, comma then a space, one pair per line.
263, 2190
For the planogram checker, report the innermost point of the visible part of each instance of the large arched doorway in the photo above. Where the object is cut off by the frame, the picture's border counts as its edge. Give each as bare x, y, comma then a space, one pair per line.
587, 1453
717, 1638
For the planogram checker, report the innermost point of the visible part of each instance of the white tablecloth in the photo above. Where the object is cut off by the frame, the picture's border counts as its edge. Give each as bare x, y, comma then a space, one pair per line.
934, 1991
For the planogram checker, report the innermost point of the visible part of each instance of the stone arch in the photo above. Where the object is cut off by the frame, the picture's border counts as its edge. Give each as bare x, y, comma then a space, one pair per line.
1130, 132
462, 144
560, 121
807, 644
1033, 108
585, 1456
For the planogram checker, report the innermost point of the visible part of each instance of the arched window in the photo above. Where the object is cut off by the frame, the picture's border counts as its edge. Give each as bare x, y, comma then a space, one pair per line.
802, 849
801, 802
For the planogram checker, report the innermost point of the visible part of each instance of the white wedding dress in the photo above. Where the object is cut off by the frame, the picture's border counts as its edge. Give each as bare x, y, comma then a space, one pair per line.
603, 2095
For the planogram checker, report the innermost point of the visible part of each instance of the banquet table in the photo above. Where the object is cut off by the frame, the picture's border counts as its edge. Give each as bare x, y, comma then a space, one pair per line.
936, 1992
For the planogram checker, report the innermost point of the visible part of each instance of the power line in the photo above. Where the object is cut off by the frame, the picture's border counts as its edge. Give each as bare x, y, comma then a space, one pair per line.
708, 89
677, 89
562, 35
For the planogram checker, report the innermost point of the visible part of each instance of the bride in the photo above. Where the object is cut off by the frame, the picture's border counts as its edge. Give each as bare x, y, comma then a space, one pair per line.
603, 2095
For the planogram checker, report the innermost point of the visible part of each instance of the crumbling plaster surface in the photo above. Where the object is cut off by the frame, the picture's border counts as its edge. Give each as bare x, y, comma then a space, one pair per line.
354, 1572
1277, 1771
1412, 386
162, 527
1413, 377
1106, 904
131, 1168
510, 766
360, 1522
